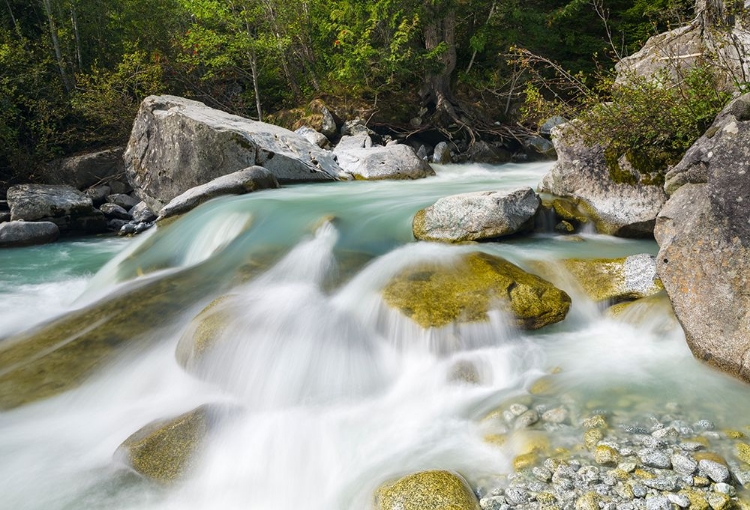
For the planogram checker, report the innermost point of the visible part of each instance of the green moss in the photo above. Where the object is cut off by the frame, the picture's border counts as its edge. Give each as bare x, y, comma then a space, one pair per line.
434, 490
438, 295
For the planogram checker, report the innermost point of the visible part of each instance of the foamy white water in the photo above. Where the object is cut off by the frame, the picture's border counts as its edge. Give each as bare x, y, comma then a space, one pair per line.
331, 391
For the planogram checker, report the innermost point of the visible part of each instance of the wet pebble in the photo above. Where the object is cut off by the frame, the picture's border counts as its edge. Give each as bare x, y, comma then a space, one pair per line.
684, 464
658, 503
655, 458
716, 472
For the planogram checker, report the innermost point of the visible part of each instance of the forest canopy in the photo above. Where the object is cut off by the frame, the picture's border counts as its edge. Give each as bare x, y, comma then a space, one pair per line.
73, 72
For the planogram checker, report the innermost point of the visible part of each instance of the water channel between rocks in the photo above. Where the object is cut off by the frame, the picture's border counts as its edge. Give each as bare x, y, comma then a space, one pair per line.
330, 392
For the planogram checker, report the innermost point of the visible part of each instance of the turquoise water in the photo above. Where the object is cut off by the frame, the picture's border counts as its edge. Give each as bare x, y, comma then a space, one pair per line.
334, 392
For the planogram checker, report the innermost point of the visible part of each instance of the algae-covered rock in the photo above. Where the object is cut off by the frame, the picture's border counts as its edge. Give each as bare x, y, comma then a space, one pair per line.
164, 450
618, 279
427, 490
654, 312
435, 295
202, 333
60, 355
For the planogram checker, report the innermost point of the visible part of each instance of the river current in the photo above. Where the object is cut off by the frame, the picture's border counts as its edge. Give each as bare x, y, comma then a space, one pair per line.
334, 393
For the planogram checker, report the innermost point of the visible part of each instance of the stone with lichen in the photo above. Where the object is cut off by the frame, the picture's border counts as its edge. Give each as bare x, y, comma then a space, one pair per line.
435, 490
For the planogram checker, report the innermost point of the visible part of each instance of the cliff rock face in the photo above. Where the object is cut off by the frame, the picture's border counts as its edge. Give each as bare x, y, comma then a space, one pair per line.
625, 209
177, 144
704, 238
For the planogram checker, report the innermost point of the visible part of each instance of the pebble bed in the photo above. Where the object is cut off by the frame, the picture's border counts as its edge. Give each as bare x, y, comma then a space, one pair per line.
615, 460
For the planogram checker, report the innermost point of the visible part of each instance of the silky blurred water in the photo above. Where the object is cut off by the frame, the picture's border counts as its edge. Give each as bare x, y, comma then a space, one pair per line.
333, 392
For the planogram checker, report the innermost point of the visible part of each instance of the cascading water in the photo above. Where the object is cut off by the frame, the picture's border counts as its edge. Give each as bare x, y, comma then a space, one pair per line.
328, 391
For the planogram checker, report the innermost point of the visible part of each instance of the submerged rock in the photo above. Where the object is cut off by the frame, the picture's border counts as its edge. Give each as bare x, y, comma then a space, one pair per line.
204, 331
434, 295
27, 233
165, 450
177, 144
237, 183
625, 209
704, 240
438, 490
620, 279
477, 216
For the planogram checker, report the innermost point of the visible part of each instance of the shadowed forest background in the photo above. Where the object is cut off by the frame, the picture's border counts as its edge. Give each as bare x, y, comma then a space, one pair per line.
73, 72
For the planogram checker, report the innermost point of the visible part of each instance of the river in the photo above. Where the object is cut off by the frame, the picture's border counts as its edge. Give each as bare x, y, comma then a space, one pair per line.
334, 392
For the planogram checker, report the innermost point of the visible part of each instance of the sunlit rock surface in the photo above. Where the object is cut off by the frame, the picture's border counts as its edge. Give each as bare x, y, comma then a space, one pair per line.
435, 295
438, 490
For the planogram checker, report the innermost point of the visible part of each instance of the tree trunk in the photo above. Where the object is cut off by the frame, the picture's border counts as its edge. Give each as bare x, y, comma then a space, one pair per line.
254, 73
56, 46
16, 26
77, 35
712, 13
441, 30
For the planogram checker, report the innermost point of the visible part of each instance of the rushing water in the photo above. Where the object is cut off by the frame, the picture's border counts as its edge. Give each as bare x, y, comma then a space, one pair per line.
334, 393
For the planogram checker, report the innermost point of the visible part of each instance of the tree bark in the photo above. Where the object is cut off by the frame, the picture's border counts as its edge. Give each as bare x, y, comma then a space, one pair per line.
254, 73
441, 30
56, 46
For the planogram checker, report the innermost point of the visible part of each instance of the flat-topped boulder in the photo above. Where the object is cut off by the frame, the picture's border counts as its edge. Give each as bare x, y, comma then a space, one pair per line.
237, 183
615, 195
27, 233
365, 161
68, 208
477, 216
177, 144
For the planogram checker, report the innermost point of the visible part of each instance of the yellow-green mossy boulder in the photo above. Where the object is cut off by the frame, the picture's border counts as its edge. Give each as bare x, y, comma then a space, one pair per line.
435, 295
620, 279
165, 450
204, 331
427, 490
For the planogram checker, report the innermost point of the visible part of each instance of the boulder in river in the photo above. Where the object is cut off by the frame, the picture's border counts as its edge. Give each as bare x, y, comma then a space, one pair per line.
435, 295
625, 207
177, 144
477, 216
237, 183
367, 162
27, 233
85, 170
438, 490
165, 450
704, 239
68, 208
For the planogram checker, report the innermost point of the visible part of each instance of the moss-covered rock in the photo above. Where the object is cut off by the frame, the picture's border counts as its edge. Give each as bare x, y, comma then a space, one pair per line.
60, 355
620, 279
165, 450
203, 332
435, 295
427, 490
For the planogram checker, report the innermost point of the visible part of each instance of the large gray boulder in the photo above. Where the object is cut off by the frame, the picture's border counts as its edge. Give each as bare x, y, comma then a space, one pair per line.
65, 206
177, 144
237, 183
477, 216
359, 157
626, 209
27, 233
704, 238
86, 170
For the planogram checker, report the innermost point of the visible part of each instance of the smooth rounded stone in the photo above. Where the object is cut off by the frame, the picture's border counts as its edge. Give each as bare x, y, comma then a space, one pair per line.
658, 503
516, 495
651, 442
639, 490
718, 501
464, 371
141, 213
427, 489
606, 455
692, 446
518, 409
725, 488
557, 415
313, 136
435, 295
396, 162
142, 226
477, 216
127, 229
549, 124
704, 425
683, 463
589, 474
627, 466
493, 503
715, 471
125, 201
116, 225
442, 154
526, 420
655, 458
27, 233
680, 500
588, 501
542, 473
114, 211
99, 194
565, 227
664, 433
243, 181
624, 491
164, 450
